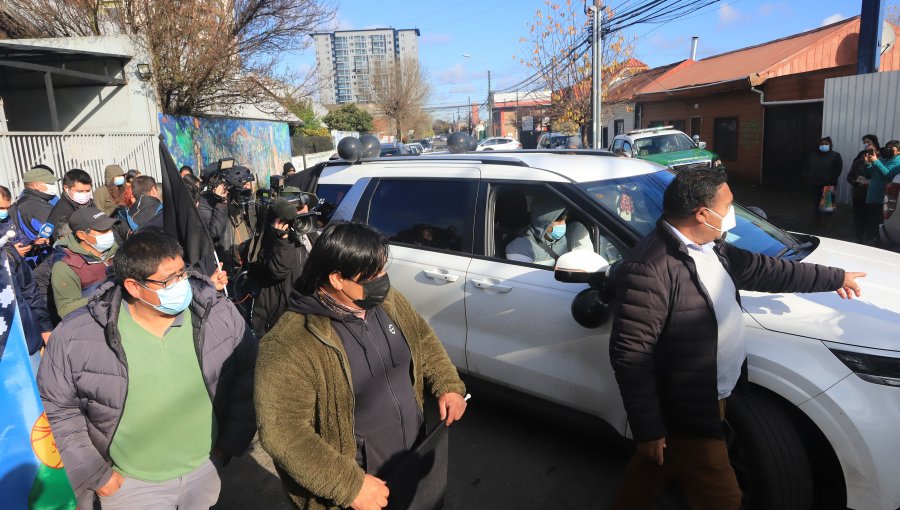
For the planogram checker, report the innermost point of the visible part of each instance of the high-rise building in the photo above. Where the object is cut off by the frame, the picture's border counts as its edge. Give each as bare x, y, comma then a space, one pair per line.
345, 60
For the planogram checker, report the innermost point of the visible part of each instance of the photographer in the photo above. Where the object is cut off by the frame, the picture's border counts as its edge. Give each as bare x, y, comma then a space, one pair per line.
285, 248
225, 209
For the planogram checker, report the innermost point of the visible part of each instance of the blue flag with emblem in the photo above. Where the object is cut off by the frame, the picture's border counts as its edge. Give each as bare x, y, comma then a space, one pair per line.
31, 471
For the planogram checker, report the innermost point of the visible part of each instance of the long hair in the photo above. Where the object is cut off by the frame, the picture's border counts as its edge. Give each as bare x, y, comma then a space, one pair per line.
350, 249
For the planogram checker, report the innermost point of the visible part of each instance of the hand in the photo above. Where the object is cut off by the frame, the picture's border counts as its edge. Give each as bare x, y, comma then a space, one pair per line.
112, 486
280, 225
221, 457
870, 158
23, 249
221, 191
219, 278
652, 449
850, 286
372, 496
40, 241
452, 406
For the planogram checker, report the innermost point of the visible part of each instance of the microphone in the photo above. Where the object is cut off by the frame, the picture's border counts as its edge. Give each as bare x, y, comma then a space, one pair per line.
46, 230
284, 210
7, 237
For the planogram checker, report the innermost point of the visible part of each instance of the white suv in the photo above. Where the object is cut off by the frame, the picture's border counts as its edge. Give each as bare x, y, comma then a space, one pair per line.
817, 428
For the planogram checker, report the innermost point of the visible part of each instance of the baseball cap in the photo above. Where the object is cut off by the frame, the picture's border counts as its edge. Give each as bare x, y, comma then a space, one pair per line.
39, 174
90, 218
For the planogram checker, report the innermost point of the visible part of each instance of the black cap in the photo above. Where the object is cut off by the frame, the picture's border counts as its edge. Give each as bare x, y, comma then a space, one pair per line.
90, 218
287, 167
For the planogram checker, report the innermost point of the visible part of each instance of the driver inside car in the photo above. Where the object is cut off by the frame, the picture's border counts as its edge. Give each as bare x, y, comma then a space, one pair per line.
549, 235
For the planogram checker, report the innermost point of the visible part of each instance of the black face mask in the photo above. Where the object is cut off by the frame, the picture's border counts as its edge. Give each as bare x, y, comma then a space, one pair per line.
374, 292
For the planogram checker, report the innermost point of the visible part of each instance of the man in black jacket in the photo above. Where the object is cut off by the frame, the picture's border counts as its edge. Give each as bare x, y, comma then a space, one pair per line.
77, 186
677, 343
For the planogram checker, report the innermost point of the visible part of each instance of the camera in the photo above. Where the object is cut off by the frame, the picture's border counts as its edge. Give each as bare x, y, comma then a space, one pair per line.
225, 172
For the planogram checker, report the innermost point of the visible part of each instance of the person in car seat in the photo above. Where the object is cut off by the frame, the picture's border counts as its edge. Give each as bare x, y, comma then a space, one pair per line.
549, 235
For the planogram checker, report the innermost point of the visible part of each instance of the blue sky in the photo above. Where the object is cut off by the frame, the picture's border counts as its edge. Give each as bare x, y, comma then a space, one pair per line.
490, 30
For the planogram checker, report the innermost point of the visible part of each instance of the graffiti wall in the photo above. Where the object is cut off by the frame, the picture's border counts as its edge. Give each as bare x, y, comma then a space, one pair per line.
261, 146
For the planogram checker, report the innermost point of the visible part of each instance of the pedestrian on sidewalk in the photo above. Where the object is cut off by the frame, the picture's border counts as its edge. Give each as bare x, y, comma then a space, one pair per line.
149, 388
856, 177
880, 170
821, 168
677, 344
342, 377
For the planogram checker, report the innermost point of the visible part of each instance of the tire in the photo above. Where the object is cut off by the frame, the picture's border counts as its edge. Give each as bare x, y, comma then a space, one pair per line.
767, 453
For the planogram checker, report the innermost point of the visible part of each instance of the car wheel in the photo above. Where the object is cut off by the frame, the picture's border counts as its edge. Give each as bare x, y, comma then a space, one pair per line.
767, 453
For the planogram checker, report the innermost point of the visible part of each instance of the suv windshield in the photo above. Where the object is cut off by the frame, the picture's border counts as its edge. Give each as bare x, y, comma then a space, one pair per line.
673, 142
637, 202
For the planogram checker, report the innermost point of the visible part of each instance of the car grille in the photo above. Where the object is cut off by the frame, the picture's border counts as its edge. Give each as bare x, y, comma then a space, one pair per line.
691, 166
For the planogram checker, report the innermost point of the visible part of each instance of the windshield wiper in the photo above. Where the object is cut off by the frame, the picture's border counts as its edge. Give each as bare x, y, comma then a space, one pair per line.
790, 250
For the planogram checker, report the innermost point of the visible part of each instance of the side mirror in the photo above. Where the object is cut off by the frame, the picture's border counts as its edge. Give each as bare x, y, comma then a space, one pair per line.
580, 266
702, 145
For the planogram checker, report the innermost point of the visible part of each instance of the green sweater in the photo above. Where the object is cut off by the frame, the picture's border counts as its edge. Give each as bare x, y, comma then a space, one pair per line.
881, 173
63, 280
305, 403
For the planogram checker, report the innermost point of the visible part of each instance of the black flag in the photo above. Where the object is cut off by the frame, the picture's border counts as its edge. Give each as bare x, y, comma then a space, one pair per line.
181, 219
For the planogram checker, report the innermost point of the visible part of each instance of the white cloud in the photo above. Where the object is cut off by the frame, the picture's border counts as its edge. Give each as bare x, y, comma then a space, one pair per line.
728, 14
455, 74
834, 18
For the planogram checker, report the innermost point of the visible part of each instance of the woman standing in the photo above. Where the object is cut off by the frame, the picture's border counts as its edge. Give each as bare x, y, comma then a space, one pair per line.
856, 177
341, 378
879, 172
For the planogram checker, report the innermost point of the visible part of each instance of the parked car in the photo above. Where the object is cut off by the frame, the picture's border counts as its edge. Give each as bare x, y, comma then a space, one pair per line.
889, 232
498, 144
426, 144
559, 141
394, 149
667, 147
816, 426
415, 148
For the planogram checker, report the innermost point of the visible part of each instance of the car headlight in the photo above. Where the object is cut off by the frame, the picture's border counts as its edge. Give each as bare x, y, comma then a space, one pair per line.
869, 367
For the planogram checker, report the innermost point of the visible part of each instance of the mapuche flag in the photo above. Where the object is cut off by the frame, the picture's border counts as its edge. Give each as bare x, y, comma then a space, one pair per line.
31, 470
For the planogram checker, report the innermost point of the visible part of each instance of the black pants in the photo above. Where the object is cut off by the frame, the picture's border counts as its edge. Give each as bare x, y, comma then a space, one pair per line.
874, 219
859, 219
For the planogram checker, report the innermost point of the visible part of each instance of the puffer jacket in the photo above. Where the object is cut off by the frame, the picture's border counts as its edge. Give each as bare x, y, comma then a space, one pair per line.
665, 335
305, 401
83, 380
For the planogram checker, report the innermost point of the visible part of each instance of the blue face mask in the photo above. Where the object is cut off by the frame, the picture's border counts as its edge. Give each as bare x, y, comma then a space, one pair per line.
174, 300
557, 232
824, 148
120, 180
4, 213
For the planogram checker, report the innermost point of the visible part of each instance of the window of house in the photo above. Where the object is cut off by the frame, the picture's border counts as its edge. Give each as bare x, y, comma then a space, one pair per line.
435, 214
725, 137
604, 140
695, 126
618, 127
656, 123
677, 124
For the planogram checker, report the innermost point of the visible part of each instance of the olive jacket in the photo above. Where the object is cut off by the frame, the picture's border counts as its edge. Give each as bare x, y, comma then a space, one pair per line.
305, 402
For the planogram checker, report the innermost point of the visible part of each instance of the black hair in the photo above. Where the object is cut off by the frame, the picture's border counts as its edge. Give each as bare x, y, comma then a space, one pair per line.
142, 253
192, 182
873, 139
349, 249
5, 193
131, 174
142, 184
826, 139
76, 175
41, 165
690, 191
186, 167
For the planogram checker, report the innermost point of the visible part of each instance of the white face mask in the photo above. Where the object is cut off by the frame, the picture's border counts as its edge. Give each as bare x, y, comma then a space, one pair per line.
52, 189
82, 197
729, 221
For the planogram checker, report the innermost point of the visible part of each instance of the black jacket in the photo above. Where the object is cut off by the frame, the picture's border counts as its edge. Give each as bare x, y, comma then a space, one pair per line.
29, 213
665, 334
822, 168
59, 216
146, 212
858, 169
31, 303
280, 265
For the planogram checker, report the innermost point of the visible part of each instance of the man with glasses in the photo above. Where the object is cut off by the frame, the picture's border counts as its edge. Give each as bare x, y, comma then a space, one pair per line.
149, 388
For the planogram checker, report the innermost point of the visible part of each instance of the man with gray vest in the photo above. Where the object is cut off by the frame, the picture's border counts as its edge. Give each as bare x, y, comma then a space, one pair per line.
149, 388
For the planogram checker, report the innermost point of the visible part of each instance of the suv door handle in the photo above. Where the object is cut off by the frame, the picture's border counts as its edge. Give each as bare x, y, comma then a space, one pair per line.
486, 285
439, 276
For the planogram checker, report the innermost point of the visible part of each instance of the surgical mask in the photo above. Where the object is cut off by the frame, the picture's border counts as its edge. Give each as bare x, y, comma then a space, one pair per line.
120, 180
728, 221
82, 197
374, 292
52, 190
557, 232
4, 213
824, 148
175, 299
104, 242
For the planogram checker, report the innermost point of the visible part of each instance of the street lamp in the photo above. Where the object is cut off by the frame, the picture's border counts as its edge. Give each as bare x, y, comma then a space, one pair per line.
490, 96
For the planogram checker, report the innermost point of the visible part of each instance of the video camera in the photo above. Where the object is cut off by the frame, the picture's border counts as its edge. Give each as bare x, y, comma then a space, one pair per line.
285, 210
233, 177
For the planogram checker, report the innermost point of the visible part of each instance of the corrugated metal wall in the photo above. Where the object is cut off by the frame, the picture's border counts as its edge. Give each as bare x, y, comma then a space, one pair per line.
856, 106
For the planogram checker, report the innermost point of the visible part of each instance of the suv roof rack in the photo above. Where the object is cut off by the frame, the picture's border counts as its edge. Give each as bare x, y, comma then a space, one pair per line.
649, 130
495, 157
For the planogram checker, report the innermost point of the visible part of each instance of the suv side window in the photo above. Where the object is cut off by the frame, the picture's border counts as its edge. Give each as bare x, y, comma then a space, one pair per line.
617, 146
515, 209
626, 148
332, 194
436, 214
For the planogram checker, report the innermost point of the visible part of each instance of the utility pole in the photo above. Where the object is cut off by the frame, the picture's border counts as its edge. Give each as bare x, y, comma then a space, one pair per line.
490, 107
469, 122
596, 66
871, 24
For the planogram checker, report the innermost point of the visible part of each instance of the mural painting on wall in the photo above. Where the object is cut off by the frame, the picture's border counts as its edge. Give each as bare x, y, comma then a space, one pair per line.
261, 146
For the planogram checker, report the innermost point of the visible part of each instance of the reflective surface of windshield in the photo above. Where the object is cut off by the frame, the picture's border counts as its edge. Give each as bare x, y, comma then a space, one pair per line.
663, 143
637, 202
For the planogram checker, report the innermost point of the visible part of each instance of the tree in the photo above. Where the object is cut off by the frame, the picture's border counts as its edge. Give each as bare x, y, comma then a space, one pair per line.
400, 91
349, 117
206, 55
440, 126
559, 52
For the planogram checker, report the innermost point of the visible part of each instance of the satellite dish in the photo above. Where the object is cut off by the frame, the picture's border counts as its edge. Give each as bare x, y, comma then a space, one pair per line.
887, 37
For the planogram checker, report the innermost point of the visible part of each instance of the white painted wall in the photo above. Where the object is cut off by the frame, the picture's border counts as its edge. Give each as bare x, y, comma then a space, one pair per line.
618, 111
856, 106
92, 109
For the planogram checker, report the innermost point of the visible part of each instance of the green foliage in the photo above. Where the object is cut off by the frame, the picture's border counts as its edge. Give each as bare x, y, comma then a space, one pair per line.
441, 127
349, 117
314, 131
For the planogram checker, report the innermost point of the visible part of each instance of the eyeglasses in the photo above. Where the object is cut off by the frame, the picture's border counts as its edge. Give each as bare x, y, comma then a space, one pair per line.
169, 282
